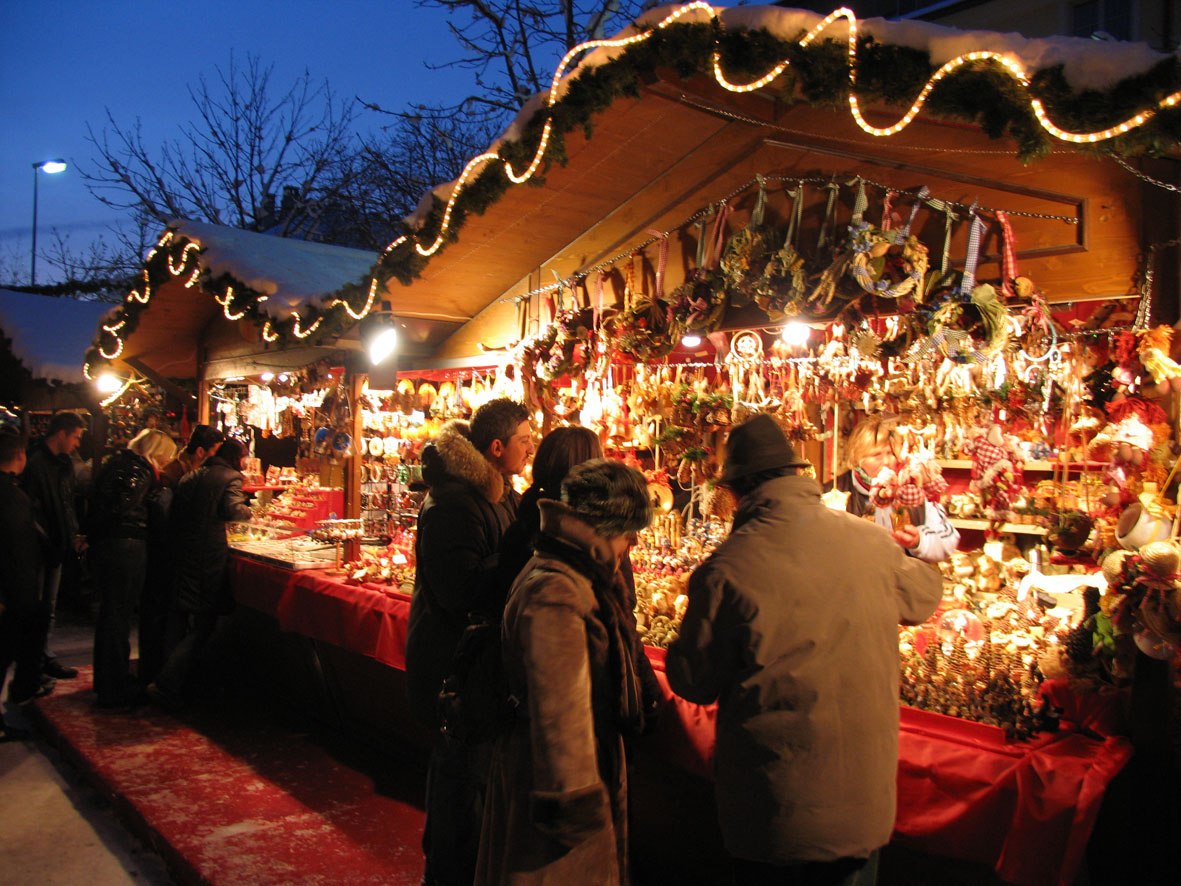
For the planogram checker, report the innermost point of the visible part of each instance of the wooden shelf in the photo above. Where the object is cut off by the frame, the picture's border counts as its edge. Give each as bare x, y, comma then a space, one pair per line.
966, 463
1016, 528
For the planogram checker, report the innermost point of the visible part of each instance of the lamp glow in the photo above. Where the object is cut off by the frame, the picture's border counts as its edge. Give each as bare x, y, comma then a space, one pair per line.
283, 376
796, 333
690, 340
107, 383
53, 166
267, 376
383, 345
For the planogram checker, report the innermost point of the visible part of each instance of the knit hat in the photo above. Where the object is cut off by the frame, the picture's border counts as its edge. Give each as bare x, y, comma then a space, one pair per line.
758, 445
609, 495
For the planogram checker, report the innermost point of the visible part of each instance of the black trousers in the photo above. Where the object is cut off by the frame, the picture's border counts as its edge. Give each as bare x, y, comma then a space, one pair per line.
22, 639
118, 565
154, 606
456, 783
187, 634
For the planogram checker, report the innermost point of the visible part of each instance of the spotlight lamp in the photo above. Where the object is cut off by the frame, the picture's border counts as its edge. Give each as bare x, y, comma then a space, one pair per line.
690, 340
796, 333
108, 383
379, 334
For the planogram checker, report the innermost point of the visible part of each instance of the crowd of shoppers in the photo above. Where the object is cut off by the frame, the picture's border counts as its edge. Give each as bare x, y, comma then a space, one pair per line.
799, 651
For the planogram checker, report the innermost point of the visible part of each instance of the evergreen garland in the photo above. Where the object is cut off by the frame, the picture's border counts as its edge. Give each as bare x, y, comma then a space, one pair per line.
977, 92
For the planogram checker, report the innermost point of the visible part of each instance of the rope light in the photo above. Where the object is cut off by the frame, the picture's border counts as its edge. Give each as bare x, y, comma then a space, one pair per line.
115, 396
267, 334
368, 303
304, 333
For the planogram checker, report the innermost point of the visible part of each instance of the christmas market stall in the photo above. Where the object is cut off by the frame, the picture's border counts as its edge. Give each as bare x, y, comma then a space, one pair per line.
721, 212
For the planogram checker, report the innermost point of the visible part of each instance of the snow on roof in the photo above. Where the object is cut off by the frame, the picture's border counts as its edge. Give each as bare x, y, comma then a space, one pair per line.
1087, 64
48, 333
292, 273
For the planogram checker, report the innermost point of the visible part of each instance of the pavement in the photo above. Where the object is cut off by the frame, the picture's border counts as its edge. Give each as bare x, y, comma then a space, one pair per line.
55, 829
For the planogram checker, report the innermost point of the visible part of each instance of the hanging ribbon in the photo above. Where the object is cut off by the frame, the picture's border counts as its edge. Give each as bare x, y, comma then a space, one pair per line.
756, 214
700, 225
887, 205
900, 237
719, 234
860, 202
829, 215
974, 234
628, 284
522, 318
661, 262
1008, 254
797, 213
949, 219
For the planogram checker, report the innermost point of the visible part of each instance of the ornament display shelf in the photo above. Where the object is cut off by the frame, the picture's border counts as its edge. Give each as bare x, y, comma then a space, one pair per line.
1016, 528
966, 463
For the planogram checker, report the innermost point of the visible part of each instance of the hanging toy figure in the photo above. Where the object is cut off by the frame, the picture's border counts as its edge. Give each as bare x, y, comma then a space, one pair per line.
1153, 349
996, 472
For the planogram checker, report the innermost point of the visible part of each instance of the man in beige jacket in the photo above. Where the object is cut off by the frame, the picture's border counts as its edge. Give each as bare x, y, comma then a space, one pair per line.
792, 627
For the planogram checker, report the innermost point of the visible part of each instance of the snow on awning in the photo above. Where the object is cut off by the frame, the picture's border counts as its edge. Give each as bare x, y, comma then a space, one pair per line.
48, 333
292, 273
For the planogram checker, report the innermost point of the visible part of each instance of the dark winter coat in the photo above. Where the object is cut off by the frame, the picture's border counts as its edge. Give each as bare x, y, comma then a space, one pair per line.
119, 497
556, 807
49, 481
792, 627
204, 501
460, 525
22, 548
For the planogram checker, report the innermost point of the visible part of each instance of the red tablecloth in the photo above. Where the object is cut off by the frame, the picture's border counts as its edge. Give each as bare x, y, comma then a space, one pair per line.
369, 619
1026, 808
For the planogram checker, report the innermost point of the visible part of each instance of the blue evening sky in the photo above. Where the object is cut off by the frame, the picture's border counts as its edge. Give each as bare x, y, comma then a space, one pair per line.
63, 61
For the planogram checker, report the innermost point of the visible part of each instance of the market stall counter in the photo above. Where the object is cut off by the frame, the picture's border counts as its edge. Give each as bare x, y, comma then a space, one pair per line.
1025, 809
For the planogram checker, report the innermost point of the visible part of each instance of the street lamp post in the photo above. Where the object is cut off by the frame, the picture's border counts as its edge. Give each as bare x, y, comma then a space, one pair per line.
50, 167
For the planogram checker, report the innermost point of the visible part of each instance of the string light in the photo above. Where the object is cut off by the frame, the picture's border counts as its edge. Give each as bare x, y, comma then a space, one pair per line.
368, 302
304, 333
117, 394
1010, 65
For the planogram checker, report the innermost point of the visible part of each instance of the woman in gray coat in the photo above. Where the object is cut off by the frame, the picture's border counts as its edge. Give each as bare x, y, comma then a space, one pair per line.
556, 808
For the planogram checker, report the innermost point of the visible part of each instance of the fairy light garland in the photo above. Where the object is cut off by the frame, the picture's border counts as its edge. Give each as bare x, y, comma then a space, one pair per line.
179, 264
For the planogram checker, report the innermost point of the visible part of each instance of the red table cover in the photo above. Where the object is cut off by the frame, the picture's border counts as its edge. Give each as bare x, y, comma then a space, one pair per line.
964, 791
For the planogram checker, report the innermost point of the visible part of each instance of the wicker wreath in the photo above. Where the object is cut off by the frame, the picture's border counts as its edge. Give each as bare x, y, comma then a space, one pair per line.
887, 263
698, 303
643, 331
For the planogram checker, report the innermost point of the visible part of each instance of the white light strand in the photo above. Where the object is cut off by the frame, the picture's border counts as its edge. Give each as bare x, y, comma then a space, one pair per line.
119, 393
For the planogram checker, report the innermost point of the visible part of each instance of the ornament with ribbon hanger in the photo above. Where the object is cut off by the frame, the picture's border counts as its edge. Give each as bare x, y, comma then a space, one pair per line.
699, 302
781, 289
887, 263
747, 252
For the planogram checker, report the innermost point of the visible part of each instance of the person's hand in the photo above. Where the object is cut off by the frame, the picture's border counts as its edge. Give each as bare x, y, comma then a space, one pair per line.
906, 535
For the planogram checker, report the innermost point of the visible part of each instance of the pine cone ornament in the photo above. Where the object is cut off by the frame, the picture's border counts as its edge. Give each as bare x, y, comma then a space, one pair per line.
719, 502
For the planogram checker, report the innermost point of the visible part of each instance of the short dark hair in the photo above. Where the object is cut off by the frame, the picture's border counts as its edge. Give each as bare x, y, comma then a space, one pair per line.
609, 495
231, 451
562, 449
496, 420
12, 444
748, 483
65, 421
203, 437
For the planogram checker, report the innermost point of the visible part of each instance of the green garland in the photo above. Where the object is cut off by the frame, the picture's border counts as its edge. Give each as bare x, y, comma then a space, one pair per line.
977, 93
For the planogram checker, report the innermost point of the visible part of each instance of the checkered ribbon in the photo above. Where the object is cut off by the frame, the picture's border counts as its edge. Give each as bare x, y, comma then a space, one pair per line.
974, 234
887, 205
904, 232
1008, 254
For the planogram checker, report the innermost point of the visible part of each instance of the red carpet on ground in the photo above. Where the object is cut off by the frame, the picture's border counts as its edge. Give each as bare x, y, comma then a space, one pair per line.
229, 795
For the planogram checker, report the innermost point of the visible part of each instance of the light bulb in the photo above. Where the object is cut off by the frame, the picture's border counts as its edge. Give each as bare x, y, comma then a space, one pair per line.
690, 340
383, 345
796, 333
283, 376
107, 383
267, 376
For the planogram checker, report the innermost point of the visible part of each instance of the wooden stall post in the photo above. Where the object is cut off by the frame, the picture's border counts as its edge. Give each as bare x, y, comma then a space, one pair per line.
352, 473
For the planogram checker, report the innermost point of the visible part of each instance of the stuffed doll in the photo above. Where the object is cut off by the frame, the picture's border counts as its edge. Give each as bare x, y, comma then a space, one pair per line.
996, 471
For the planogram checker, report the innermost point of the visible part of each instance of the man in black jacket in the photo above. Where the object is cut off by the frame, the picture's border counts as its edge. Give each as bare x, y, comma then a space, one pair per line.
49, 481
470, 504
23, 618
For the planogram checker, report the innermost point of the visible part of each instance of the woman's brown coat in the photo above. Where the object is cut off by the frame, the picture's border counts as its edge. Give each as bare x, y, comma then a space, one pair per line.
556, 808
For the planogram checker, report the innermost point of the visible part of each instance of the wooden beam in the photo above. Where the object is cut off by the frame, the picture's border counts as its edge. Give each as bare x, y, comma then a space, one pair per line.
167, 384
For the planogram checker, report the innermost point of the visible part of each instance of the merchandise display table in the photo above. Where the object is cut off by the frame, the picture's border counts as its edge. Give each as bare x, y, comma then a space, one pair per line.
1027, 809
